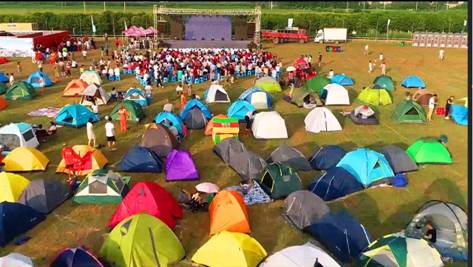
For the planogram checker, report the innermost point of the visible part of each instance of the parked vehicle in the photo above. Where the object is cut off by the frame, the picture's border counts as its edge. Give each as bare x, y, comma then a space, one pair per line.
286, 35
328, 35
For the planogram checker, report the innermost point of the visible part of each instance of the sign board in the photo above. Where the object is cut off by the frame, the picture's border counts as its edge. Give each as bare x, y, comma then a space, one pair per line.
447, 40
16, 27
290, 21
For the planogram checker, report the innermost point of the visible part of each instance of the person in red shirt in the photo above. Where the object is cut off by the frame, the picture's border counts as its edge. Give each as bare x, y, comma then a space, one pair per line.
69, 156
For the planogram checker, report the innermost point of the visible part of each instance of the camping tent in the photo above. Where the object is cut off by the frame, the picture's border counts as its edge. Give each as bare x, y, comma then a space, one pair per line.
228, 212
258, 98
141, 240
20, 90
326, 157
91, 159
151, 198
15, 219
135, 112
216, 94
303, 208
300, 96
210, 124
397, 250
75, 257
375, 97
136, 95
239, 109
3, 103
169, 118
363, 115
268, 84
306, 255
75, 88
4, 60
342, 80
16, 259
413, 82
180, 166
321, 119
25, 159
160, 140
269, 125
15, 135
335, 183
383, 82
101, 186
398, 159
317, 83
91, 77
3, 78
224, 128
290, 156
459, 114
195, 114
335, 94
11, 186
409, 111
75, 115
429, 151
366, 165
39, 79
279, 180
451, 223
341, 234
140, 159
44, 196
422, 97
97, 92
227, 249
3, 88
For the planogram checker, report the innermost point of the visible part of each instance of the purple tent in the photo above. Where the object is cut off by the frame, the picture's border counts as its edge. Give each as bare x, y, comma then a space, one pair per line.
180, 166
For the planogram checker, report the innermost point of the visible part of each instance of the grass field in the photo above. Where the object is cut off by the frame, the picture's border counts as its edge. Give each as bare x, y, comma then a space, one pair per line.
381, 210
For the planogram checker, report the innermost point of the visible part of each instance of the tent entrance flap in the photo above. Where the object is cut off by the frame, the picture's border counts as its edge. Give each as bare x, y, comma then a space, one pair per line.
97, 187
220, 96
412, 111
267, 180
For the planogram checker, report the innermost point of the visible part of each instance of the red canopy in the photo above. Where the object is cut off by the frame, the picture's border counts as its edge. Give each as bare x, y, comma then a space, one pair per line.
4, 60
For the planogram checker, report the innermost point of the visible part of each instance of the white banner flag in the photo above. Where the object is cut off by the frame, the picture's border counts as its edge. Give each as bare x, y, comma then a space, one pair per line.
93, 25
389, 21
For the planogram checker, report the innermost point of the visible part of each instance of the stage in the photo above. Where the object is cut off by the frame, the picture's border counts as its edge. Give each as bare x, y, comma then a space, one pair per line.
205, 44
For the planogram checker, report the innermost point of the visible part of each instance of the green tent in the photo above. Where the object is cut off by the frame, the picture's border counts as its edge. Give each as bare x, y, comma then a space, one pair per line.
135, 111
20, 90
375, 97
279, 180
3, 88
316, 83
409, 111
268, 84
102, 187
301, 94
142, 240
383, 82
429, 151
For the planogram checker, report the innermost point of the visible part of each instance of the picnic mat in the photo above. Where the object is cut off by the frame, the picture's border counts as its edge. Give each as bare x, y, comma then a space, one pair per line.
48, 112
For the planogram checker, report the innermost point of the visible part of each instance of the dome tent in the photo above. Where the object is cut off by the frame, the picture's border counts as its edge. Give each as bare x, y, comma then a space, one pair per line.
39, 79
140, 159
136, 95
16, 259
302, 96
91, 159
75, 88
363, 115
228, 212
15, 135
159, 139
16, 219
25, 159
279, 180
20, 90
11, 186
290, 156
239, 109
91, 77
97, 92
422, 97
335, 183
216, 94
306, 255
409, 111
75, 115
259, 98
170, 118
195, 114
383, 82
303, 208
44, 196
3, 88
180, 166
326, 157
268, 84
459, 114
413, 81
335, 94
375, 97
4, 78
269, 125
317, 83
321, 119
135, 112
398, 159
102, 187
210, 124
75, 257
342, 80
429, 151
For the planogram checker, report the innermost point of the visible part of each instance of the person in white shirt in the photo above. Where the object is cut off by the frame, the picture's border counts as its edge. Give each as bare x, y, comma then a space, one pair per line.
168, 106
110, 134
370, 66
432, 104
11, 79
90, 133
365, 50
441, 54
95, 108
381, 57
179, 89
330, 74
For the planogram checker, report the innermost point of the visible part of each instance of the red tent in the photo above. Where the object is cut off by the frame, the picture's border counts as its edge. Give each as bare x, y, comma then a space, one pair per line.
151, 198
301, 64
4, 60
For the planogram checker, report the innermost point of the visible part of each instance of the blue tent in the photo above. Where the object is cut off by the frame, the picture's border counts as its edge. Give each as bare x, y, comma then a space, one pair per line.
39, 79
335, 183
15, 219
413, 81
326, 157
4, 78
239, 109
173, 118
342, 79
138, 96
253, 96
195, 103
75, 115
75, 257
459, 114
140, 159
366, 165
341, 234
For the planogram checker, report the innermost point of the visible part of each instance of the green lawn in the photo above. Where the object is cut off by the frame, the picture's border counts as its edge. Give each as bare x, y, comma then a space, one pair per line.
381, 210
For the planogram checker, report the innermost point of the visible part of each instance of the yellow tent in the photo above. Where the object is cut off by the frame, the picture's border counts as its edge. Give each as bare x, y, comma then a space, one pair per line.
227, 249
25, 159
11, 186
93, 159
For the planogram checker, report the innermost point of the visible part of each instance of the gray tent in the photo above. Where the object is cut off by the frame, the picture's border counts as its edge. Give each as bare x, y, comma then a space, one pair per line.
159, 139
290, 156
302, 208
195, 119
398, 159
44, 196
227, 148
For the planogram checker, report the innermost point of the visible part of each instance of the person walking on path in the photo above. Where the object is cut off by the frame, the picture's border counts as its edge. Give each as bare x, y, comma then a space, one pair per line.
110, 134
365, 50
441, 54
90, 133
370, 66
319, 63
432, 104
123, 115
448, 107
383, 68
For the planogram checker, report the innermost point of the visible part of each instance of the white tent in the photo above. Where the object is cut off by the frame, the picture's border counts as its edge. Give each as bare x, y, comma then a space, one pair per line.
94, 90
336, 95
299, 256
321, 119
269, 125
216, 94
16, 260
15, 135
90, 77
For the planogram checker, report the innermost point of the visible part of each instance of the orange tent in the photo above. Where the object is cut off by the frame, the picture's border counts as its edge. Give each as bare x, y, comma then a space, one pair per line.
3, 103
228, 212
75, 88
210, 124
90, 159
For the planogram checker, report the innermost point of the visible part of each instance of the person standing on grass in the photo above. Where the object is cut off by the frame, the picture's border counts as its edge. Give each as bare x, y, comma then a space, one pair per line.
441, 54
319, 63
11, 79
68, 155
110, 134
432, 104
183, 99
123, 115
18, 67
448, 107
365, 50
383, 68
90, 133
370, 66
381, 57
